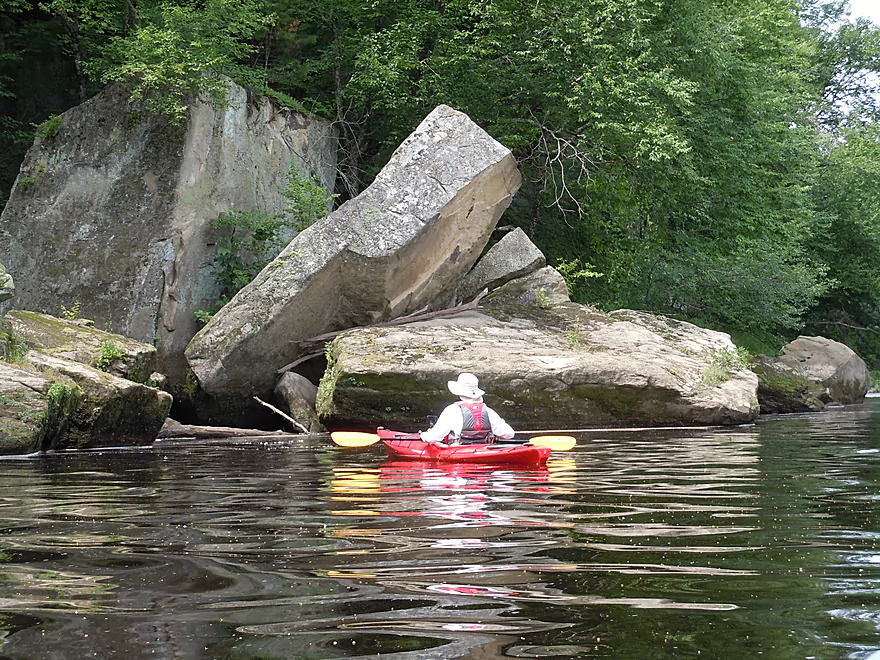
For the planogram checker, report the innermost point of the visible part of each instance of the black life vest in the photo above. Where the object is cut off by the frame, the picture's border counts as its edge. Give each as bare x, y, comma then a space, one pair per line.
475, 424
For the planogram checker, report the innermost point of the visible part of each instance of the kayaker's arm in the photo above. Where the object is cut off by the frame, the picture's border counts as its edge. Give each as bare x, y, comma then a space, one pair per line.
500, 428
449, 422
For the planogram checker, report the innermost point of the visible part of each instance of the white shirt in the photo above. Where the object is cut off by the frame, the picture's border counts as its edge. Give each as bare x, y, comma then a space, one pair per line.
451, 421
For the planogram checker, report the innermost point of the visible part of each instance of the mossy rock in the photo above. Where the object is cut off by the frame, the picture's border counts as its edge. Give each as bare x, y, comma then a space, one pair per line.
80, 341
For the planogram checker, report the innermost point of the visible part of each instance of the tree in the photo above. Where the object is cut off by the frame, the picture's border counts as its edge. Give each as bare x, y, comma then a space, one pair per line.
176, 51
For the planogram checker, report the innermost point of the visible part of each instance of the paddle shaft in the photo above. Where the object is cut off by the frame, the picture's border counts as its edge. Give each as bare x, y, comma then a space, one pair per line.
356, 439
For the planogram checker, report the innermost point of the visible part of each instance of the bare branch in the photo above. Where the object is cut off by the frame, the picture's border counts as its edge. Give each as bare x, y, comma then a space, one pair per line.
845, 325
287, 417
421, 315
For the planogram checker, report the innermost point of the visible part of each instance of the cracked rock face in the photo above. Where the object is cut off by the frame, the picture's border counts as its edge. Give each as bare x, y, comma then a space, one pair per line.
402, 245
113, 213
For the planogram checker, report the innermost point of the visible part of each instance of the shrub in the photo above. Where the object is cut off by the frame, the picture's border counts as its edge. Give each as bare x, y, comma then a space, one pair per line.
49, 128
110, 352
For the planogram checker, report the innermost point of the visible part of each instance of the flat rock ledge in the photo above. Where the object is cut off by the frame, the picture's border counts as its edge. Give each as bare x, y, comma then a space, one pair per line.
540, 363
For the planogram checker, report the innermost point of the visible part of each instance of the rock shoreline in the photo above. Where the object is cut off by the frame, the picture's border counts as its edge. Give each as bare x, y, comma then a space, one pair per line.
411, 243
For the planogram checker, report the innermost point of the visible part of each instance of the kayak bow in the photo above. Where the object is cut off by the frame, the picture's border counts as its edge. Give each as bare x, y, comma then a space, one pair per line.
410, 447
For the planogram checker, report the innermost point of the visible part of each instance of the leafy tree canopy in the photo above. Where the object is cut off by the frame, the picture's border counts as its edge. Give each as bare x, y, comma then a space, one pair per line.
714, 160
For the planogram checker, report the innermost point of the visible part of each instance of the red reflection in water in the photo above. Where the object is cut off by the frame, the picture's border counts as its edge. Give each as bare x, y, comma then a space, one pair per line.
404, 476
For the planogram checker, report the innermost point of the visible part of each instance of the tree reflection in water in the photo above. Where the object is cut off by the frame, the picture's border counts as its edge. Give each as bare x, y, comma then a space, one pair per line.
757, 542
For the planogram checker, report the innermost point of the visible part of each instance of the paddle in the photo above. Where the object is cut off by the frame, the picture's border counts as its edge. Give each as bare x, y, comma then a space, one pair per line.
356, 439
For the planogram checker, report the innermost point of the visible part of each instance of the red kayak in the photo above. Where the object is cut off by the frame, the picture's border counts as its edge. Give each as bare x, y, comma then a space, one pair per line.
410, 447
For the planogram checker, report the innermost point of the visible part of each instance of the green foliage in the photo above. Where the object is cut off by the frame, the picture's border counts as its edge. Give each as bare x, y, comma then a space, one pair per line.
14, 347
542, 300
249, 239
576, 276
177, 51
49, 128
56, 392
109, 353
204, 315
724, 362
847, 239
70, 314
573, 337
306, 200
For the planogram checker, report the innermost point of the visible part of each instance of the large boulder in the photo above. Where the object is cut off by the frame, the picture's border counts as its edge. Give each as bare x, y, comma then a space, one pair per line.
113, 206
24, 409
110, 411
71, 394
511, 257
402, 245
543, 363
809, 374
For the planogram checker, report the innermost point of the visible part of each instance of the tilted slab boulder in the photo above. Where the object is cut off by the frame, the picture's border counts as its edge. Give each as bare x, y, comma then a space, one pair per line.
557, 366
810, 373
511, 257
113, 210
401, 245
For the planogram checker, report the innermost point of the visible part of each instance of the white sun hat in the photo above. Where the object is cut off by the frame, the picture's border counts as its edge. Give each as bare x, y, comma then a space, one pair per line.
467, 386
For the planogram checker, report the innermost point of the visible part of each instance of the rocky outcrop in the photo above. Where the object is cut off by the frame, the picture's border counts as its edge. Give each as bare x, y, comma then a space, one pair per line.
401, 245
7, 287
113, 210
511, 257
110, 411
63, 400
24, 410
809, 374
557, 364
79, 341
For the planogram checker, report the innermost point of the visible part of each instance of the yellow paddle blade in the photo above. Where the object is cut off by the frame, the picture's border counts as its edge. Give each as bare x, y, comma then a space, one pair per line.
555, 442
354, 439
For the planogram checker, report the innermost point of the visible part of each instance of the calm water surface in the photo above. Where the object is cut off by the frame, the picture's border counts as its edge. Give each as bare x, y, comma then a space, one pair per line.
753, 542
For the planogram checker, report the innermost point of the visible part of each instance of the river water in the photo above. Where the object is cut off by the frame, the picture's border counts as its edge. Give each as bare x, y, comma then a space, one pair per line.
755, 542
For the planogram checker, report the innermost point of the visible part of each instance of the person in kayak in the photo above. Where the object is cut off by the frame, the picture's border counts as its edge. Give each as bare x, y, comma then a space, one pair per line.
469, 417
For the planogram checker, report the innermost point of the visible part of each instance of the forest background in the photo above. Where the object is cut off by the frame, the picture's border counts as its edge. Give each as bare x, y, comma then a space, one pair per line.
713, 160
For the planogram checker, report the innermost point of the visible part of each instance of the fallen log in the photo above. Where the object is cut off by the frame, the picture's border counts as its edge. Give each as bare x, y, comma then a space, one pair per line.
176, 430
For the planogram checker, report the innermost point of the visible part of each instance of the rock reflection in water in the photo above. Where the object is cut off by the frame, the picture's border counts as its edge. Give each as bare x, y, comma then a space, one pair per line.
758, 540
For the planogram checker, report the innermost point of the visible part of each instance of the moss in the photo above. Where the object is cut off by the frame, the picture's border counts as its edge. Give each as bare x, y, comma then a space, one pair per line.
324, 403
118, 418
14, 348
787, 384
63, 399
20, 416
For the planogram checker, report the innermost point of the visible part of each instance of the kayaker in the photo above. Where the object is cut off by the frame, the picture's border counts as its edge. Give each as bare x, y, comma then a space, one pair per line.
468, 414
